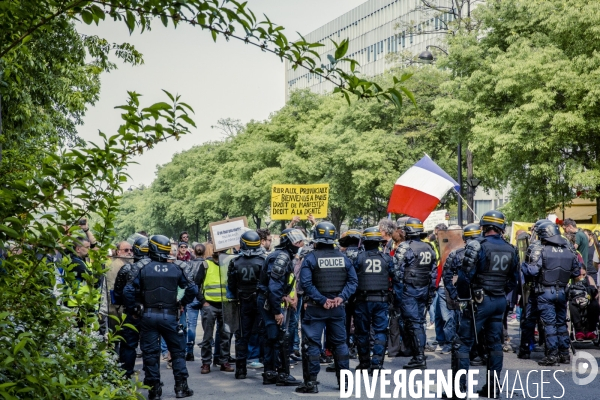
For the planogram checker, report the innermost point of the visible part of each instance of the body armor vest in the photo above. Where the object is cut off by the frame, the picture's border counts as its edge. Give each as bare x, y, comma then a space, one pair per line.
127, 274
159, 284
373, 271
418, 273
556, 266
498, 265
191, 268
264, 273
329, 274
247, 272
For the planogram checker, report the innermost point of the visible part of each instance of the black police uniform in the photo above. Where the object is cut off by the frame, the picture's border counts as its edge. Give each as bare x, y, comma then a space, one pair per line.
155, 287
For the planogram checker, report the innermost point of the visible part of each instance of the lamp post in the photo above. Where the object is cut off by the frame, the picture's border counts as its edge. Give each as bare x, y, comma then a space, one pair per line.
427, 56
130, 188
267, 220
472, 183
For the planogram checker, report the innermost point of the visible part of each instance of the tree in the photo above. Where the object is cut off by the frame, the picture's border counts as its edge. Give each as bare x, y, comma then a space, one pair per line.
524, 90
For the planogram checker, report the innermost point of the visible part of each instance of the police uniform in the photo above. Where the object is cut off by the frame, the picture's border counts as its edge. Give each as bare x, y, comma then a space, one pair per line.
243, 274
155, 287
273, 286
416, 271
551, 265
374, 269
351, 247
326, 274
130, 337
489, 271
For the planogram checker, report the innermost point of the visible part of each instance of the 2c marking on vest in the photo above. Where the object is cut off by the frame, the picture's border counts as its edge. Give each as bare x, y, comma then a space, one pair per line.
331, 262
500, 261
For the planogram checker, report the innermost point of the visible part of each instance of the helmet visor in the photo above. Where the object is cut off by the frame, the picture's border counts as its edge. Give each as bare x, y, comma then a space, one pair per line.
295, 236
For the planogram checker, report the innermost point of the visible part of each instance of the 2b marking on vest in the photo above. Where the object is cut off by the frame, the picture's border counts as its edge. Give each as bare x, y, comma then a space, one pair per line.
373, 266
331, 262
425, 258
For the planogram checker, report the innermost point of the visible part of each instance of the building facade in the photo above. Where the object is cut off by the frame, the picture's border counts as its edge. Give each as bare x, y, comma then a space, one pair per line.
374, 29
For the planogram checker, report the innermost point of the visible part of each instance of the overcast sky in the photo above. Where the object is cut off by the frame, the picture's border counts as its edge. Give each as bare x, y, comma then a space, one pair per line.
219, 80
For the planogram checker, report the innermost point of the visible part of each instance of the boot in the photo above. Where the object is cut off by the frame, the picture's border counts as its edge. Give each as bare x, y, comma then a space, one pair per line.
549, 360
364, 361
418, 360
484, 392
309, 386
284, 379
524, 355
156, 392
269, 378
240, 369
182, 390
564, 358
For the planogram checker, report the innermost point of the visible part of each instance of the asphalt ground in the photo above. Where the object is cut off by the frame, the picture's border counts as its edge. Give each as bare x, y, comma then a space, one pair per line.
522, 374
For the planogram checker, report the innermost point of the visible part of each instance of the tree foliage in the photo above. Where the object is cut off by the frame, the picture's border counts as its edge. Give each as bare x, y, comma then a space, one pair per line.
524, 95
359, 149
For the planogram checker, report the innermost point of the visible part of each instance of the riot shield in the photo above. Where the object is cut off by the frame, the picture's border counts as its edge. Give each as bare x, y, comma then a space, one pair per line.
449, 240
231, 309
522, 245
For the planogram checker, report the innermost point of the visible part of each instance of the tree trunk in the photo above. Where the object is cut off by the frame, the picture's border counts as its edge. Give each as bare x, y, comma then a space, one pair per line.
337, 217
470, 190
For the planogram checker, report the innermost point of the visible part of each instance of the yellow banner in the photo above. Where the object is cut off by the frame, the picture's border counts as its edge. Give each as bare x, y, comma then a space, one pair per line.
526, 226
288, 201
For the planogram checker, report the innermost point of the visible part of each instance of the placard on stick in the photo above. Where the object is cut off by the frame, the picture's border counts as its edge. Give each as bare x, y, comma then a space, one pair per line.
226, 234
288, 201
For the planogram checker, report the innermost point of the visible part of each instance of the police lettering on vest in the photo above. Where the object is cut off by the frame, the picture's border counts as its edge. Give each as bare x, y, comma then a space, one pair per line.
556, 266
329, 275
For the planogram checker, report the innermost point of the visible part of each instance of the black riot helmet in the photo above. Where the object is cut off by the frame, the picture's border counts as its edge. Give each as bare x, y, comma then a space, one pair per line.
140, 248
471, 231
288, 238
325, 232
159, 248
534, 228
413, 227
372, 234
547, 229
351, 238
494, 219
250, 243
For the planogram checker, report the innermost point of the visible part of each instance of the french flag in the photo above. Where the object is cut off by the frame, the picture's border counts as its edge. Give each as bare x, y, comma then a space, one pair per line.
419, 190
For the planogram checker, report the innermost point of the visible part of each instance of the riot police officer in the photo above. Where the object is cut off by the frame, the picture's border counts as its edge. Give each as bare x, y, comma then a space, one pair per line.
328, 280
274, 288
551, 265
350, 245
416, 271
243, 274
155, 287
131, 337
374, 269
488, 272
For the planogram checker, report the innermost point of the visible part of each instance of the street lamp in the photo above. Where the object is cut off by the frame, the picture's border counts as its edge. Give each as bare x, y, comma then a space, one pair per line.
472, 183
427, 56
130, 188
267, 220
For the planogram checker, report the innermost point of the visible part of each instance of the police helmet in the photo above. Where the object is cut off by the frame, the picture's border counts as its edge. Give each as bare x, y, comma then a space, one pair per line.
538, 223
547, 229
351, 238
372, 234
325, 232
140, 248
289, 237
493, 218
413, 227
471, 231
159, 248
250, 243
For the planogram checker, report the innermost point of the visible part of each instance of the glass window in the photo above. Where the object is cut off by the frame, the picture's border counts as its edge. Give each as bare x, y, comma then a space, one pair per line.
482, 206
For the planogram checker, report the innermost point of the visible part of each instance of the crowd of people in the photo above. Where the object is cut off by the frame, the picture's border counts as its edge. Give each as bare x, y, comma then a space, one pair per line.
317, 298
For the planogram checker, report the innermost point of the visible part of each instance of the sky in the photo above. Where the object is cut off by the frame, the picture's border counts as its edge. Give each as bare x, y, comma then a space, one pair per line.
218, 80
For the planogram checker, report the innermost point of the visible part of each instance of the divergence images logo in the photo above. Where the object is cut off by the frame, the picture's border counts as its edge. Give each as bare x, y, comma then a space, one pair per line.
584, 368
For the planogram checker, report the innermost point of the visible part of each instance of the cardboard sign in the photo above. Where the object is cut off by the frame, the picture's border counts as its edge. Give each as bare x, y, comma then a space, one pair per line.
436, 217
288, 201
226, 234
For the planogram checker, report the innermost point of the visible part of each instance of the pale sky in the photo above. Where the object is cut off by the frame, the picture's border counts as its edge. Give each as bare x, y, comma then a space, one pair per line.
218, 80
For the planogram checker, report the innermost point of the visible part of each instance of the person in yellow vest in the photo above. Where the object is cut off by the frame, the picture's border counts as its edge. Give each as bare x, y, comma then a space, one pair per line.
212, 296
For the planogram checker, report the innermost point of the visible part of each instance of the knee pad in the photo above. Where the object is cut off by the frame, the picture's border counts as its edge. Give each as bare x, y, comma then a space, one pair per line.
151, 358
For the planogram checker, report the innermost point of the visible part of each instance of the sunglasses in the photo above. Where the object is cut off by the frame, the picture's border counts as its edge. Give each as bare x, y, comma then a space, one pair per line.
183, 247
127, 250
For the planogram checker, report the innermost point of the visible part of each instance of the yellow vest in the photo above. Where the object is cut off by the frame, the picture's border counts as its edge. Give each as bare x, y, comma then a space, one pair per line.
215, 282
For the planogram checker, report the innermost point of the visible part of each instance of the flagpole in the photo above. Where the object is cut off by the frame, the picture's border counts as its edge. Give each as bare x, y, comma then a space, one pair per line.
467, 203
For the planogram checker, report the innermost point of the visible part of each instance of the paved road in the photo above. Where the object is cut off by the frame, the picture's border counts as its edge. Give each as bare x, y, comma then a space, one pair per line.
223, 385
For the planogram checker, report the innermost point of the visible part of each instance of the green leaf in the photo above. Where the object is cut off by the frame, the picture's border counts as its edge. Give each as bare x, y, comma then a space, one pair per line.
87, 17
342, 49
9, 231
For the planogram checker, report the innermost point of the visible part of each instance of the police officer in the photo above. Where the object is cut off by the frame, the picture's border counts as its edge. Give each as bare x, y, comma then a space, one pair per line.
273, 289
374, 269
416, 270
531, 315
551, 265
131, 337
243, 274
489, 271
155, 287
328, 280
350, 245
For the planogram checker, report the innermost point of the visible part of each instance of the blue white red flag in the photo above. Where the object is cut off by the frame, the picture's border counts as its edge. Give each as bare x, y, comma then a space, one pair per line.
419, 190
